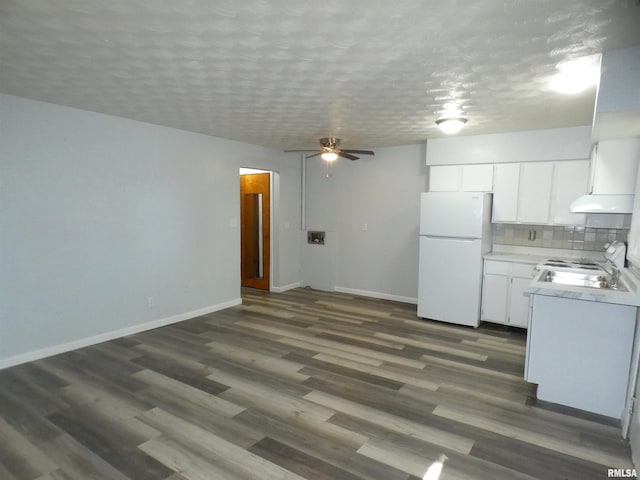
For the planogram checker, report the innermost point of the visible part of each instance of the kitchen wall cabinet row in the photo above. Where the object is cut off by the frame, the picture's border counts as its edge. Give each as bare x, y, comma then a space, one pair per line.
504, 299
530, 192
539, 192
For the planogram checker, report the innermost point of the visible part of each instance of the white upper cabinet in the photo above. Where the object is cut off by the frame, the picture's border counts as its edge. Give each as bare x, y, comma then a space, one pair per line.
445, 178
615, 166
539, 192
570, 180
522, 192
534, 195
618, 104
506, 178
477, 178
633, 252
461, 178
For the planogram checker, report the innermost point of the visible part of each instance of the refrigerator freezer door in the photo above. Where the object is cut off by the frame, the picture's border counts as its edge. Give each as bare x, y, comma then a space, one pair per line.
450, 279
453, 214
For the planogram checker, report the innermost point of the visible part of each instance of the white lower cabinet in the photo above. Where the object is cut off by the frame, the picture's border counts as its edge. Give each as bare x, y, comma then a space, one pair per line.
495, 291
519, 300
504, 299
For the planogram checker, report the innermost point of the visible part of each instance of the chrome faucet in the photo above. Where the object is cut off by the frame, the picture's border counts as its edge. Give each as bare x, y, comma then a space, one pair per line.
615, 255
613, 271
615, 275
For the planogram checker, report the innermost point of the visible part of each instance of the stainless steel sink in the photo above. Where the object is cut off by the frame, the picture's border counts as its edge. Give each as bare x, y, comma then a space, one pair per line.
580, 279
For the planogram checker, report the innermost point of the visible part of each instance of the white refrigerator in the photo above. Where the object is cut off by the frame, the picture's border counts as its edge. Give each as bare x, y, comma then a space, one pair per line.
455, 233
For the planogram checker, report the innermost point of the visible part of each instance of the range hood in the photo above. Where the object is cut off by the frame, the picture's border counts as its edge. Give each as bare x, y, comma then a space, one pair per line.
603, 204
616, 131
613, 172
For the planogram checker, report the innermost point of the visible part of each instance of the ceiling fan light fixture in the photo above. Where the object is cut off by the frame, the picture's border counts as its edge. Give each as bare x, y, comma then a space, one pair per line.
329, 156
451, 125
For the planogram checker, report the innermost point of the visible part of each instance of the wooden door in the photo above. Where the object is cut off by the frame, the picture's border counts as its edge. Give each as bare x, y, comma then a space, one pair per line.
255, 234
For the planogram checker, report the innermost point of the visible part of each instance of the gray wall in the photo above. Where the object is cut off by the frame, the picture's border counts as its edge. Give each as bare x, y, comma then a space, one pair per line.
382, 192
98, 213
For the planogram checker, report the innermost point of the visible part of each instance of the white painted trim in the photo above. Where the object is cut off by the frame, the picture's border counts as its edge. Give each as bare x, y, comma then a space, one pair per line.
104, 337
251, 171
284, 288
380, 295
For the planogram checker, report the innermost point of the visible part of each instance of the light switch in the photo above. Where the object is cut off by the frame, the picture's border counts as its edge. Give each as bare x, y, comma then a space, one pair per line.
364, 227
287, 225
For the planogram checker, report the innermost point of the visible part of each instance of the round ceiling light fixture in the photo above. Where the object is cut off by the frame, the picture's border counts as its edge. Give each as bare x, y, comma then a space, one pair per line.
451, 125
329, 156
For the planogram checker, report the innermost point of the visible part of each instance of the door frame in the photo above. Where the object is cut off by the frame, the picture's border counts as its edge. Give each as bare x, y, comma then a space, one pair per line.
272, 233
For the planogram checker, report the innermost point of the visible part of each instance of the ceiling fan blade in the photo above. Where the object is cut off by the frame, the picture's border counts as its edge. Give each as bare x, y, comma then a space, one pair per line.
314, 155
362, 152
344, 154
310, 150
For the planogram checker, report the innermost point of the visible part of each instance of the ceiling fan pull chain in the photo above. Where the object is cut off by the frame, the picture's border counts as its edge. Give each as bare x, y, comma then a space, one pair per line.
328, 175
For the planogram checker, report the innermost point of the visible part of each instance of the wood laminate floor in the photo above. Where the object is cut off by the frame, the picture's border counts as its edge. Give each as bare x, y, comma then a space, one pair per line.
296, 385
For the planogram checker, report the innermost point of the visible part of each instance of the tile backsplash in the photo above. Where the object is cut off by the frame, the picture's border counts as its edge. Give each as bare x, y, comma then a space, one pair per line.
549, 236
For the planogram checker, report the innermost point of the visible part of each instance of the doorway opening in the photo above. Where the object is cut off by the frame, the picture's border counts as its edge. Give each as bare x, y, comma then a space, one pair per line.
255, 228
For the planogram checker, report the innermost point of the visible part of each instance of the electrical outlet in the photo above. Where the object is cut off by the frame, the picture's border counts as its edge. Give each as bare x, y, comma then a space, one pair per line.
151, 301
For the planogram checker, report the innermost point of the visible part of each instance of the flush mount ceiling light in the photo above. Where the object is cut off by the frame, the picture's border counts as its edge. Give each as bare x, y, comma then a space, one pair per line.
451, 125
575, 76
329, 156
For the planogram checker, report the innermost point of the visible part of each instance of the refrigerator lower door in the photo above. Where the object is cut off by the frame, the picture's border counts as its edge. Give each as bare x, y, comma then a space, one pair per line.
450, 279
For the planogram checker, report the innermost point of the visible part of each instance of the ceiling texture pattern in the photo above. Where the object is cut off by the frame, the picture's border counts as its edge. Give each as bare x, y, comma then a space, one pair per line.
283, 73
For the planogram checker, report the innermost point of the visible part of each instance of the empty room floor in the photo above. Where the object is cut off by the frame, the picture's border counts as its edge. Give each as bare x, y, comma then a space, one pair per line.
297, 385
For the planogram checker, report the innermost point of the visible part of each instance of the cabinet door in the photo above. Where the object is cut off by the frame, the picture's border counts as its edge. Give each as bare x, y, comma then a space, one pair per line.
570, 180
477, 178
505, 192
633, 252
494, 298
445, 178
519, 302
616, 166
534, 195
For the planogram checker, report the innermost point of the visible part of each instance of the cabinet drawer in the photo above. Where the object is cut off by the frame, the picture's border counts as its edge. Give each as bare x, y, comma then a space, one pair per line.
523, 270
496, 268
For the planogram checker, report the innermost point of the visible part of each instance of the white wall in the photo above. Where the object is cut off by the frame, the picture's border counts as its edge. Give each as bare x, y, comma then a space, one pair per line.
382, 192
98, 213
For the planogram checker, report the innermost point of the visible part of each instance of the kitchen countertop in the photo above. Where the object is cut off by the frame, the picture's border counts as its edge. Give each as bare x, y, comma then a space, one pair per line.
628, 280
516, 257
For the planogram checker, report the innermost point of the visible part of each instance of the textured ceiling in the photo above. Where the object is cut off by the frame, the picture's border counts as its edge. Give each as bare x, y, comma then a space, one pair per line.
283, 73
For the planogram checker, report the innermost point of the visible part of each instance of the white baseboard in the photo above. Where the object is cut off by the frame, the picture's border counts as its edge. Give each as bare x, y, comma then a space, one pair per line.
380, 295
284, 288
104, 337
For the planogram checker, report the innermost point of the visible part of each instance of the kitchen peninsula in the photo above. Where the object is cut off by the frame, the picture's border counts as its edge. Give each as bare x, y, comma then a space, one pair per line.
580, 344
